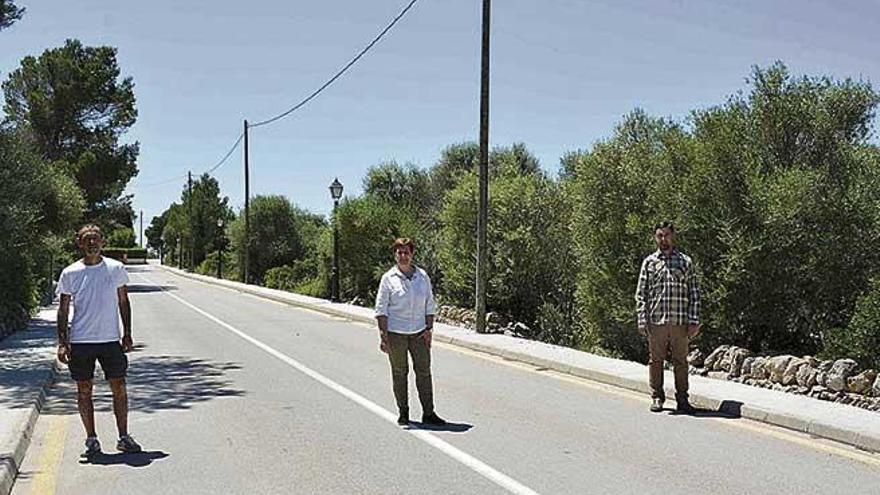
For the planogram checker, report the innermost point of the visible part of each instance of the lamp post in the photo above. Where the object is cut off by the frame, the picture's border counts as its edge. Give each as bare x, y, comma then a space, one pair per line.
335, 193
220, 248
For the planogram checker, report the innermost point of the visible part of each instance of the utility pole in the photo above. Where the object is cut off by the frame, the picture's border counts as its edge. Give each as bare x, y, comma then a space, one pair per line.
142, 229
192, 227
247, 201
483, 216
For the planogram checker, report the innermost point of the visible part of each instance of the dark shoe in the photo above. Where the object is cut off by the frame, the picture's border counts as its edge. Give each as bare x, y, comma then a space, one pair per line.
433, 419
657, 405
683, 406
128, 445
403, 419
93, 448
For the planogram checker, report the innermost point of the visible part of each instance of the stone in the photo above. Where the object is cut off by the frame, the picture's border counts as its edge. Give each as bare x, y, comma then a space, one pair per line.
736, 356
876, 387
861, 383
522, 329
696, 358
715, 356
746, 369
825, 365
777, 365
813, 362
789, 376
493, 318
759, 370
821, 378
718, 375
840, 371
806, 376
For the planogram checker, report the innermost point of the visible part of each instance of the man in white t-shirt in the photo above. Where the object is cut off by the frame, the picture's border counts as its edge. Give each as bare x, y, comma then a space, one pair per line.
97, 287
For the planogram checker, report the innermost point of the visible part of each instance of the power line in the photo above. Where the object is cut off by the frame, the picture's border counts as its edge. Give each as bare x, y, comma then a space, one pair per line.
298, 105
342, 71
212, 169
228, 154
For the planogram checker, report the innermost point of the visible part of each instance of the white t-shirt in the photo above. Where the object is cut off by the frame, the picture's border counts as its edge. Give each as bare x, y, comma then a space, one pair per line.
95, 303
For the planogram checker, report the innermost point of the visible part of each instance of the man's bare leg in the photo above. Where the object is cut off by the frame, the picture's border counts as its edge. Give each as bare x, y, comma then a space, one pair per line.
85, 406
120, 405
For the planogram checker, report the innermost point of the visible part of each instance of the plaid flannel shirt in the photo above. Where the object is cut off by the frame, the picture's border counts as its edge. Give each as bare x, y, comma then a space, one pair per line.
668, 291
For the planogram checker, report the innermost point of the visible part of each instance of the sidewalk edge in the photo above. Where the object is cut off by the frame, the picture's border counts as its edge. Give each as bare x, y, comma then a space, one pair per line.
9, 465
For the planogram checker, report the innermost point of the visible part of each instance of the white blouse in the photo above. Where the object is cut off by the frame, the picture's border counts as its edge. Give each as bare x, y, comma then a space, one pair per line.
405, 301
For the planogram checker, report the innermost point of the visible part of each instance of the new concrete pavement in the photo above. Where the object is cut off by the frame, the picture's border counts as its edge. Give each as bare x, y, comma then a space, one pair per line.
233, 393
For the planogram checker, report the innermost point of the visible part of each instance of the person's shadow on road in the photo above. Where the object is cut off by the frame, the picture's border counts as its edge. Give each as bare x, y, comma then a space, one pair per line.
450, 427
729, 409
136, 459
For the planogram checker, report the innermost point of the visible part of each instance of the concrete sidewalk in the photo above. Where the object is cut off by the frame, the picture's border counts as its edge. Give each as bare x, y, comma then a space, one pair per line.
846, 424
27, 370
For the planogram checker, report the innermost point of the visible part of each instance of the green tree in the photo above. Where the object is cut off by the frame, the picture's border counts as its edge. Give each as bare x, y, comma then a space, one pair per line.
39, 207
175, 233
403, 186
367, 229
121, 238
9, 13
775, 194
275, 235
153, 233
72, 105
204, 207
529, 251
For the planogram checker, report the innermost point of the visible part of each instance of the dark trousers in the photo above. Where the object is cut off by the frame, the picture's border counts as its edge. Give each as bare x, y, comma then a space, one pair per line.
663, 339
401, 346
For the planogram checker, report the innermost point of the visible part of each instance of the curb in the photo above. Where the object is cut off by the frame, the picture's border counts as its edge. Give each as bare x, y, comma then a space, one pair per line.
11, 461
830, 431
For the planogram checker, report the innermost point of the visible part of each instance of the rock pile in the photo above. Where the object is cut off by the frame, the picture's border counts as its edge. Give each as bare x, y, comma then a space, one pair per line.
495, 322
837, 381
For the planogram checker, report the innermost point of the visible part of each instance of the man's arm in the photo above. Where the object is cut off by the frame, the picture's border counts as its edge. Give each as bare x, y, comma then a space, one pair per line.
63, 337
642, 298
125, 313
693, 287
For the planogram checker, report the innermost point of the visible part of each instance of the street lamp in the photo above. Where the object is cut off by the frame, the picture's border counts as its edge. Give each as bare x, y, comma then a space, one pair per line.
335, 193
220, 248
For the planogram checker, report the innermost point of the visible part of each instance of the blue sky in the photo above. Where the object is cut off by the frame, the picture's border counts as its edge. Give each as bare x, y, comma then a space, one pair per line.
564, 72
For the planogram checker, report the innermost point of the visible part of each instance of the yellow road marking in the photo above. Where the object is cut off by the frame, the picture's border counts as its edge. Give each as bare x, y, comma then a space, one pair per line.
53, 448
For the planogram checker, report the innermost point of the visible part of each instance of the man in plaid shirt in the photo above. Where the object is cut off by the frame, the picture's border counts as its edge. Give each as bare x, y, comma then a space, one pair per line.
668, 310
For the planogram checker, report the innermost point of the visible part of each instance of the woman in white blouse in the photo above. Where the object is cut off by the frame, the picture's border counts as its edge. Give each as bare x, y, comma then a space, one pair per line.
405, 314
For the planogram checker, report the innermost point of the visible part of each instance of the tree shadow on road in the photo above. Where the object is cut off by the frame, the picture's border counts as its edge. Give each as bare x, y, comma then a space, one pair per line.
157, 383
26, 363
138, 459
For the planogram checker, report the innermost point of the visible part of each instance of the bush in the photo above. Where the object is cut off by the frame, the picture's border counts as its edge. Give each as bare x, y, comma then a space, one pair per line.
860, 340
529, 251
209, 265
121, 238
775, 195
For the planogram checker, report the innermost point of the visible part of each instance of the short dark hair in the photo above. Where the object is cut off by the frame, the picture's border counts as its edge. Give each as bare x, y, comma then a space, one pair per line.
666, 224
403, 242
88, 228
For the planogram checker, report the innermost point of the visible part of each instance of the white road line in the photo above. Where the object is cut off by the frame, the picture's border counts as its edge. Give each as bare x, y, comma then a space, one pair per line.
468, 460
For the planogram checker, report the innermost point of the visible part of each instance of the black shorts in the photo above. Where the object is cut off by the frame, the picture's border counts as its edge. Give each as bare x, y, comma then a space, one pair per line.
113, 361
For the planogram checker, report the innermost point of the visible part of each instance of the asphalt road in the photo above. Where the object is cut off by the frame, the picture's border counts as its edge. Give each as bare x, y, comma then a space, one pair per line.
234, 394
